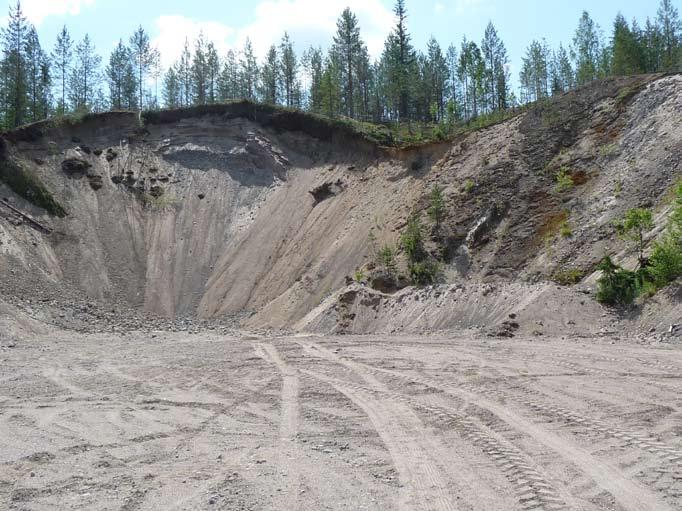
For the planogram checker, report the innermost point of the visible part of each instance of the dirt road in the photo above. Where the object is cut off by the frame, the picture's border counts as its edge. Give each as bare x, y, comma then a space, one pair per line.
310, 423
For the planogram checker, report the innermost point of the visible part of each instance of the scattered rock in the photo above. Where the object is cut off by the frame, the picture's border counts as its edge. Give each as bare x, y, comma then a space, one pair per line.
75, 167
326, 190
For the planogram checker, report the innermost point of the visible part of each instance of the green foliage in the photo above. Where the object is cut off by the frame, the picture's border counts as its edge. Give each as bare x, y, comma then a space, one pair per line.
25, 184
568, 276
616, 286
422, 269
359, 276
412, 240
436, 209
637, 221
565, 230
469, 185
564, 181
608, 149
665, 263
424, 273
387, 260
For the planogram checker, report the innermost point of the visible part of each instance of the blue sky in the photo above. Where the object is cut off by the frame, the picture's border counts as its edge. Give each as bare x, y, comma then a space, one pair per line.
229, 22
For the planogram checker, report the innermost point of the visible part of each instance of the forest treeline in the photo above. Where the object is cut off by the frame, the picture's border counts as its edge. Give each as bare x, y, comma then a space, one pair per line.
435, 85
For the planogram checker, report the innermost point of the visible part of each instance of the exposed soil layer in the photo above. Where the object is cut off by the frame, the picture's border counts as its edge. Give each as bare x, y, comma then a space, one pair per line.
170, 421
244, 211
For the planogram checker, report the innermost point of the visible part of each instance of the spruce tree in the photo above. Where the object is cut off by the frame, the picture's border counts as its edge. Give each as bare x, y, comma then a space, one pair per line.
670, 28
270, 77
627, 56
14, 39
85, 76
38, 78
347, 49
586, 50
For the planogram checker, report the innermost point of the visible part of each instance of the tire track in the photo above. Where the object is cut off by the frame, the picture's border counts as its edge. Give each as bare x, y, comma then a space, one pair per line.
402, 432
531, 488
630, 494
288, 429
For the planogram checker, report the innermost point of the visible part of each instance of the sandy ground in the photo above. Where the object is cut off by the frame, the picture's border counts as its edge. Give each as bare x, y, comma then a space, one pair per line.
167, 421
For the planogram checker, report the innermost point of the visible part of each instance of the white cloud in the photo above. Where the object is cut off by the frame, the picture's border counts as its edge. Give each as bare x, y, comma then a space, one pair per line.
312, 21
307, 22
439, 7
467, 5
37, 10
173, 30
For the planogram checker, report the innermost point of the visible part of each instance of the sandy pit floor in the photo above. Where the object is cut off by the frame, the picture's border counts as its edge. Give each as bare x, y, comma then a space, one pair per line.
166, 421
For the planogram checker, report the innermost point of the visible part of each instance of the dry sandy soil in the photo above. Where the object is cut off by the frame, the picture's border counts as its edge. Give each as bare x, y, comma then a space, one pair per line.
177, 421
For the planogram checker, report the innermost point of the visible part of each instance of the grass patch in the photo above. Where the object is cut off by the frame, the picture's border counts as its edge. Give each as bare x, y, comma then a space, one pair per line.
564, 180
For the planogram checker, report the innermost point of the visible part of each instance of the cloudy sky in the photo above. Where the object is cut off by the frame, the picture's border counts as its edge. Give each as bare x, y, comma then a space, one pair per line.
312, 22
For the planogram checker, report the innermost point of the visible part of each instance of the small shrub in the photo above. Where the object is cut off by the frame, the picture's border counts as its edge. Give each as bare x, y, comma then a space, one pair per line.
424, 273
568, 276
565, 230
469, 185
608, 149
616, 286
665, 263
359, 276
564, 181
436, 209
636, 222
412, 240
386, 259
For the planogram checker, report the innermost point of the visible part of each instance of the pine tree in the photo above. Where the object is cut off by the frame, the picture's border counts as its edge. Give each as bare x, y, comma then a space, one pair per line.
120, 76
172, 93
183, 72
212, 72
535, 76
670, 27
199, 71
403, 59
453, 85
85, 76
288, 72
329, 87
653, 47
270, 77
312, 62
38, 78
436, 75
561, 70
61, 56
228, 81
143, 55
347, 49
471, 74
248, 72
14, 39
496, 77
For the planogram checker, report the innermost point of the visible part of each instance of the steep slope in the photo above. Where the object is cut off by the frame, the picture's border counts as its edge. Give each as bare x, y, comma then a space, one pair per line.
223, 211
